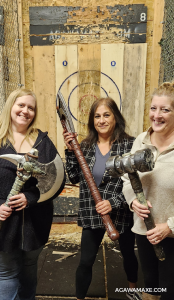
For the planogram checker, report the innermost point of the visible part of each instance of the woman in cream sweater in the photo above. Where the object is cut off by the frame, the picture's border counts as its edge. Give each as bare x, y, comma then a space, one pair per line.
158, 187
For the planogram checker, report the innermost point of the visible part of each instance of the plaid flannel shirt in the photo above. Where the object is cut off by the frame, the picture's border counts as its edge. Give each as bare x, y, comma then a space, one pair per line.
110, 189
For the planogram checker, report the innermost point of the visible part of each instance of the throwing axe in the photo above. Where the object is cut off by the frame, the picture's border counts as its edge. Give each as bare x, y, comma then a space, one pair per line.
50, 176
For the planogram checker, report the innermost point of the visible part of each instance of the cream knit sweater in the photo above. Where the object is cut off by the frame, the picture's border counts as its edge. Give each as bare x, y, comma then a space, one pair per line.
158, 185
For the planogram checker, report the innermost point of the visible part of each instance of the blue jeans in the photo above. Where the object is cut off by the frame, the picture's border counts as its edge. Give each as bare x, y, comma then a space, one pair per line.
18, 274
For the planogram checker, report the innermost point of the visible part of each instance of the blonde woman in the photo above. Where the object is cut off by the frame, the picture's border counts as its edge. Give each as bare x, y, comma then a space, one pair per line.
26, 224
158, 186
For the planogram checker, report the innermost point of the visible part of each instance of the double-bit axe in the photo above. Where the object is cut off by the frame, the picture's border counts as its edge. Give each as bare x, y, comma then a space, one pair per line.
143, 161
50, 176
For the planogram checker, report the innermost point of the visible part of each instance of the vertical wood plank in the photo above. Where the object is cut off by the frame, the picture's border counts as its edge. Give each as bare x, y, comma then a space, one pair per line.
154, 58
44, 86
65, 65
134, 87
112, 65
156, 48
21, 43
2, 83
89, 61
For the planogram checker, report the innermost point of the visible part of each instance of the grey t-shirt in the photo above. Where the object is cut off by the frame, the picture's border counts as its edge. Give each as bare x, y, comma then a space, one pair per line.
99, 166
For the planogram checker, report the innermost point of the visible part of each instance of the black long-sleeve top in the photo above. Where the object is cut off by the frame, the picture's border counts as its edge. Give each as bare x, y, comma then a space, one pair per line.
29, 228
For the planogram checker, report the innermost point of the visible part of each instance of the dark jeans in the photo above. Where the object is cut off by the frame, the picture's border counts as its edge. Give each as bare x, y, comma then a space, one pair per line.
18, 274
157, 274
90, 242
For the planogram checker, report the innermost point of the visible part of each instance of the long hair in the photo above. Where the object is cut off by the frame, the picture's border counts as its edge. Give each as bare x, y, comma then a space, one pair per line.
5, 118
119, 131
165, 89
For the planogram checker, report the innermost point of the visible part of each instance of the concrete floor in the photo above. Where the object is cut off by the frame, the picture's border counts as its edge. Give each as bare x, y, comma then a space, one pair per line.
59, 260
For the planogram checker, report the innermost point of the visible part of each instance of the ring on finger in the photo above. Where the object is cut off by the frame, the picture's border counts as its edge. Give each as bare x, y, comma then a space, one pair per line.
21, 204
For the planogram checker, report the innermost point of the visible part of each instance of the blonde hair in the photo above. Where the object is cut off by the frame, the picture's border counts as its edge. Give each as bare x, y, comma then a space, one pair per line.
165, 89
5, 118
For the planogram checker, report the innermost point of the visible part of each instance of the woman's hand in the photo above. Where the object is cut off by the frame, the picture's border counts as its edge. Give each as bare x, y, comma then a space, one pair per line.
157, 234
141, 210
5, 212
18, 202
103, 207
68, 137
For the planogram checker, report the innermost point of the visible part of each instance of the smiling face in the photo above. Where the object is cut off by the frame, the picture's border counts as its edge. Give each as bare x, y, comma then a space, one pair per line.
104, 121
162, 115
23, 113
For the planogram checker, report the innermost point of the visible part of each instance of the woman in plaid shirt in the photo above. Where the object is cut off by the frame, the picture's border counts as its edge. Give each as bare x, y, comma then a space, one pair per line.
106, 136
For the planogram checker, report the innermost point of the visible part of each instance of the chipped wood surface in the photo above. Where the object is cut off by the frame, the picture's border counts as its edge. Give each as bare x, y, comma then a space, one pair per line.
112, 56
21, 44
154, 8
43, 67
156, 53
90, 4
89, 62
57, 25
68, 234
134, 87
66, 64
2, 83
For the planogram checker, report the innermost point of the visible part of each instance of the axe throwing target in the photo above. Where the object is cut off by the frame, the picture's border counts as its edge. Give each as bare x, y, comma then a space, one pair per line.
104, 92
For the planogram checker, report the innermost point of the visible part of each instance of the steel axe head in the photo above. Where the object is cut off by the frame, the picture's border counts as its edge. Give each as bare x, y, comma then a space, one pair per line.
50, 176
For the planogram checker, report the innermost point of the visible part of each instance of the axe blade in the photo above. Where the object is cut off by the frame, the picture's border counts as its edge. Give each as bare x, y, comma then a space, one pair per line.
50, 183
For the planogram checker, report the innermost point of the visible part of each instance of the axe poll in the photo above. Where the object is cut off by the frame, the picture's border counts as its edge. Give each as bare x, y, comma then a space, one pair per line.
50, 176
67, 124
143, 161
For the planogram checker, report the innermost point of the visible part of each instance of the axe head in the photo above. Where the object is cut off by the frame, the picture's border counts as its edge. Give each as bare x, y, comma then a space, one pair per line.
54, 179
51, 176
141, 160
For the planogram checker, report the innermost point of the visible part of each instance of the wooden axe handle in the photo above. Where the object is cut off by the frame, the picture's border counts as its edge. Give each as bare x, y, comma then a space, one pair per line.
149, 221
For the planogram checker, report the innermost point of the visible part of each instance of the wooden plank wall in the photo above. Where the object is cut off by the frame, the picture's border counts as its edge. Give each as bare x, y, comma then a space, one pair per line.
114, 70
66, 64
134, 86
154, 30
2, 84
89, 61
43, 67
112, 56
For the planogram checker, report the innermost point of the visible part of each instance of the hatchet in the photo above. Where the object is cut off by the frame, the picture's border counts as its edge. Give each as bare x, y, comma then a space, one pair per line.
50, 176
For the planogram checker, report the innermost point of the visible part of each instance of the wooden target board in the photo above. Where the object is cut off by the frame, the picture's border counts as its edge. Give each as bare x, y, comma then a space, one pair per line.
86, 72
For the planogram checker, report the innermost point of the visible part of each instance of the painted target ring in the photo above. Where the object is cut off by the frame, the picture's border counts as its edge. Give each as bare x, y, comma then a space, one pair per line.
86, 83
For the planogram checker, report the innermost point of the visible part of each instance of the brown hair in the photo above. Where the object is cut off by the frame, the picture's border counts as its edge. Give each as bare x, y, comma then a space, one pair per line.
119, 131
165, 89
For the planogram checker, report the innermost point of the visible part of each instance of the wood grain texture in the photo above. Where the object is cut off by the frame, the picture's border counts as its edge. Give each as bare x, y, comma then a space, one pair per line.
89, 62
21, 43
2, 84
156, 54
106, 38
134, 87
112, 65
56, 25
44, 87
65, 65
